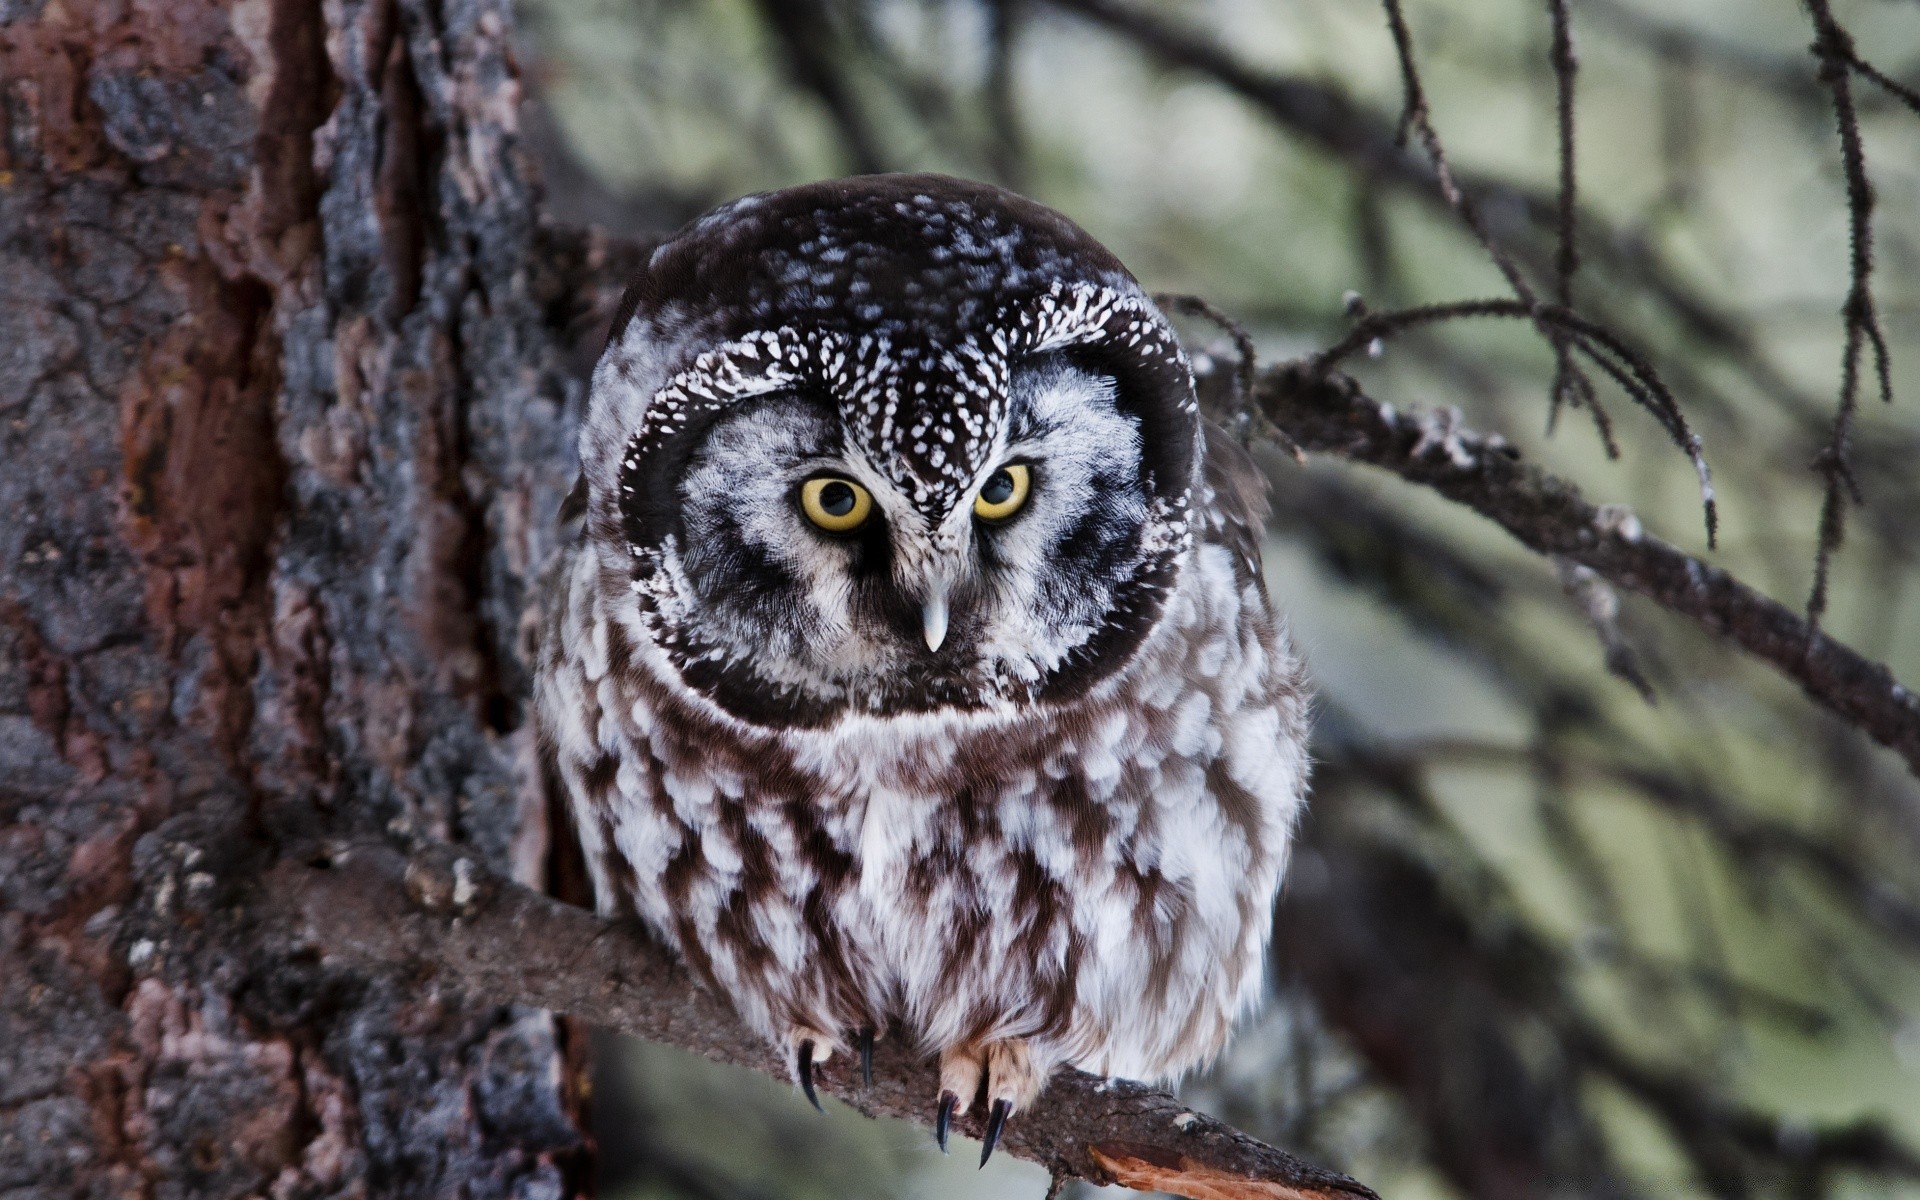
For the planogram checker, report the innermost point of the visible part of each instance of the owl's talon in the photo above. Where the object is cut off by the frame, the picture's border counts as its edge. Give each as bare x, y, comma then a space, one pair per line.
961, 1070
866, 1056
806, 1074
944, 1122
1013, 1083
996, 1121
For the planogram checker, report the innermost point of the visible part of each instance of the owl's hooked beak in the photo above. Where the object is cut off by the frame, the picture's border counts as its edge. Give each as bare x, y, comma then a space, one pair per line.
931, 567
933, 616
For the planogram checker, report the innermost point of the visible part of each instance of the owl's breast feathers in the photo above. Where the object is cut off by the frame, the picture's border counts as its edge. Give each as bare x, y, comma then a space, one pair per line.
1095, 876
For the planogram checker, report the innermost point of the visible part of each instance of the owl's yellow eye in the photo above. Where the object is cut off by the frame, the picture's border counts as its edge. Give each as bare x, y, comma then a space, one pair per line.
1004, 492
834, 504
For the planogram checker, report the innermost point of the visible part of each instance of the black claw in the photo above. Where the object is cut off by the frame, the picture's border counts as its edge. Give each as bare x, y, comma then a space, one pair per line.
944, 1121
866, 1057
996, 1121
806, 1073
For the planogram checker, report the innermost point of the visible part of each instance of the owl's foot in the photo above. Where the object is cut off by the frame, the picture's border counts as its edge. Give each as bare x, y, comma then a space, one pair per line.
1002, 1073
808, 1048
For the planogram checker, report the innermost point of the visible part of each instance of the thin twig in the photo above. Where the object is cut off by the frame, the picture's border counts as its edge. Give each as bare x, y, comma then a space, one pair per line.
1893, 87
1567, 258
1248, 358
1833, 47
1417, 118
1570, 384
1326, 117
1624, 365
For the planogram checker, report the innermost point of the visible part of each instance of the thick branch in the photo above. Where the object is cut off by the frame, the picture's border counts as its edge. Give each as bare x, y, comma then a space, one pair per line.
1329, 413
441, 916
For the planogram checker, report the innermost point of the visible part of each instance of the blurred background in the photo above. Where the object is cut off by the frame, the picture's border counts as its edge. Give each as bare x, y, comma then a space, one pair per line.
1588, 902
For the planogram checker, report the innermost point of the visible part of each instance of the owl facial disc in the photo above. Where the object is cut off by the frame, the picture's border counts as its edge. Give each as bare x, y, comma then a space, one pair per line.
1013, 405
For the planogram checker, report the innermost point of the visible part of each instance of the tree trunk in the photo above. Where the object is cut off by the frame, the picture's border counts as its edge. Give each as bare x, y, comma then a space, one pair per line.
284, 398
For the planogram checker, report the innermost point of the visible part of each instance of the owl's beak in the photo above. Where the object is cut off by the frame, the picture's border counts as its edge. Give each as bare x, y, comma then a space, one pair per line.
933, 616
931, 564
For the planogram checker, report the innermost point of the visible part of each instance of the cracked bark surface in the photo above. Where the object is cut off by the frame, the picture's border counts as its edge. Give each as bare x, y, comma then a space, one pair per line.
284, 417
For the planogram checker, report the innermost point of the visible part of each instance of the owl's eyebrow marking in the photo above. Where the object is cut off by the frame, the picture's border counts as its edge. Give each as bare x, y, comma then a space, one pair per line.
882, 375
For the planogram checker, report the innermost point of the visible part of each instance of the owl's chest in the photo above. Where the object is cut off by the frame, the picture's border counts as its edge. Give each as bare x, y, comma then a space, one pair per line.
933, 807
704, 810
927, 800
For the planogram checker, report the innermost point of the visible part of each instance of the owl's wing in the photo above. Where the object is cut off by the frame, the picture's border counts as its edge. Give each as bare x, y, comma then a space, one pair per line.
1237, 509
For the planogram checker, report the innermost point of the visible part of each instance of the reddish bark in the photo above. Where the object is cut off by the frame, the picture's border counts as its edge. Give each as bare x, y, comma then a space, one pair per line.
284, 427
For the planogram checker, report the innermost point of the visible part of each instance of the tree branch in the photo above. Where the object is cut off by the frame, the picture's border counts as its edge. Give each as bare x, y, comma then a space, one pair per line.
1833, 46
439, 914
1323, 115
1329, 413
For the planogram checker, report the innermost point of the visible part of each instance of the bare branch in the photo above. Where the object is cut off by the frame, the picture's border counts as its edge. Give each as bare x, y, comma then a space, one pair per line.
1417, 118
1893, 87
1568, 382
1622, 364
1833, 46
1323, 115
439, 915
1246, 361
1329, 413
1355, 134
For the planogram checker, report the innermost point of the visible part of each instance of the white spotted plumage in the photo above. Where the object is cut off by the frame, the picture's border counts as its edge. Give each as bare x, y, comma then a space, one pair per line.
1051, 837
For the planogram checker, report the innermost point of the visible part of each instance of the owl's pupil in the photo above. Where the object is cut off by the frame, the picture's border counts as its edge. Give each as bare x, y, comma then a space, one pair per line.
836, 499
999, 487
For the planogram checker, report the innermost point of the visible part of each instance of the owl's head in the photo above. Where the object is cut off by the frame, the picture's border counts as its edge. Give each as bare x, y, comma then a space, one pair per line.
889, 444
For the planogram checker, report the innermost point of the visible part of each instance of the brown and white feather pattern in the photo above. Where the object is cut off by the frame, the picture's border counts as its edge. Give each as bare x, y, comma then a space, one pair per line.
1095, 878
1054, 839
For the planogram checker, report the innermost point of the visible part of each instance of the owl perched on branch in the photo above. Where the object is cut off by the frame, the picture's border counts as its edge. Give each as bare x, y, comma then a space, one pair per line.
914, 675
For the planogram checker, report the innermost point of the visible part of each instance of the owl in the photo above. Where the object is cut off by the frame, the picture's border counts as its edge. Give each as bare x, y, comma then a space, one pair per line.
913, 674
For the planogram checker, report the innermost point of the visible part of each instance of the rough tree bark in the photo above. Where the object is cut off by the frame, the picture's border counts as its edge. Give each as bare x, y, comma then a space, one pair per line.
284, 425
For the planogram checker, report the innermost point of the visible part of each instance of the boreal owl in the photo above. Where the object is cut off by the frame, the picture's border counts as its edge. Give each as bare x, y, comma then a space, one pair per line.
913, 674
